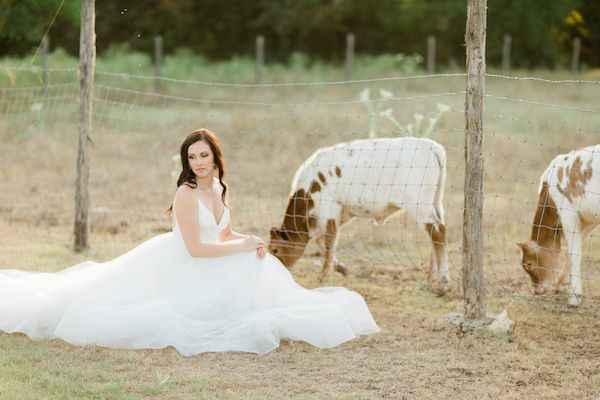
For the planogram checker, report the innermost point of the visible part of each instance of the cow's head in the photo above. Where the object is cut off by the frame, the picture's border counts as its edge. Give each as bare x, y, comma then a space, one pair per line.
285, 248
541, 252
541, 264
289, 241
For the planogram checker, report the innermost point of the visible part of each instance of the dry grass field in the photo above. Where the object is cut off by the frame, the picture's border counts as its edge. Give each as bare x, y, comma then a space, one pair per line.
266, 132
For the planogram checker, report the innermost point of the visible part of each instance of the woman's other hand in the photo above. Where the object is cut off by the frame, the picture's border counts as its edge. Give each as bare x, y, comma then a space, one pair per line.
261, 250
252, 243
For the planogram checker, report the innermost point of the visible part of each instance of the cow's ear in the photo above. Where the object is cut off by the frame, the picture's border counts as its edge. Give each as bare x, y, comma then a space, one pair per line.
284, 234
277, 233
528, 246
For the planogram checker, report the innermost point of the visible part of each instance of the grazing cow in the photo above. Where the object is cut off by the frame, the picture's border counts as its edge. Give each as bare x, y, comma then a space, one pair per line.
567, 211
372, 178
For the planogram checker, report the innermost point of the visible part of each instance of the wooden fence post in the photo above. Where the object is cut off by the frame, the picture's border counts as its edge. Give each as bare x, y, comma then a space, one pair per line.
87, 59
349, 55
576, 54
158, 61
506, 54
431, 55
260, 58
472, 259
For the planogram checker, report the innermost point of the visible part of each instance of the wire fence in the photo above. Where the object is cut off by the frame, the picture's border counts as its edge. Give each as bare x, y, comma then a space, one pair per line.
267, 131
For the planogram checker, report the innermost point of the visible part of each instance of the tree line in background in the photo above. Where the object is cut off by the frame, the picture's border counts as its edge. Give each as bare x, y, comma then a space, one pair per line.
542, 31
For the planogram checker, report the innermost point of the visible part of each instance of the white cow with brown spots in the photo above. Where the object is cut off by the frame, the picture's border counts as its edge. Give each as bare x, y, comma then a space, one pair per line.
374, 179
568, 210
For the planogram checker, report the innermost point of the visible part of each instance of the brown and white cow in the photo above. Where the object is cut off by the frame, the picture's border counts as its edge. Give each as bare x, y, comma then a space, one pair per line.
568, 210
372, 178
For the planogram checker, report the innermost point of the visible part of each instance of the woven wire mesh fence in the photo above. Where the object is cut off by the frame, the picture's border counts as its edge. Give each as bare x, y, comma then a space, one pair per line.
267, 131
530, 122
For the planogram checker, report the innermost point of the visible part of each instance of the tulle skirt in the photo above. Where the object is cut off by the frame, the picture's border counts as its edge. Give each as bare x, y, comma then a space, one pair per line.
156, 295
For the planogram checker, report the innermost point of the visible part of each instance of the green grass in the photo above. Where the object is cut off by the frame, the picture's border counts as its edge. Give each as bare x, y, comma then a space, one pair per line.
51, 370
183, 64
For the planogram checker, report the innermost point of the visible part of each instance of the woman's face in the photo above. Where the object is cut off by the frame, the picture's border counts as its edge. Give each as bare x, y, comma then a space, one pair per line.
201, 159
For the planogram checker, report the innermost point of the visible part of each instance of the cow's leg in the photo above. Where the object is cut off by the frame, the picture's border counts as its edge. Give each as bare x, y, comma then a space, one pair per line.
439, 257
321, 244
433, 264
330, 241
572, 231
337, 264
339, 267
562, 281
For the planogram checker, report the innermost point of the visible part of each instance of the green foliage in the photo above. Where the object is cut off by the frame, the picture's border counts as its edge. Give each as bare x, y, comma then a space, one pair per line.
185, 64
24, 22
120, 58
584, 23
58, 58
533, 25
370, 66
222, 30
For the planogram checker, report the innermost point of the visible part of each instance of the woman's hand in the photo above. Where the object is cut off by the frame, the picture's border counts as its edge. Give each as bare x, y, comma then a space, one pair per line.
261, 251
252, 242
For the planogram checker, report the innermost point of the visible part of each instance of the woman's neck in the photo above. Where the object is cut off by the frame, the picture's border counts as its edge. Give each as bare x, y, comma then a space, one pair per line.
205, 182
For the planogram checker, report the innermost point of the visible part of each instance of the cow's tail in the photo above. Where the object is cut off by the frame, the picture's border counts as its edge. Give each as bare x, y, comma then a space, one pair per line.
438, 201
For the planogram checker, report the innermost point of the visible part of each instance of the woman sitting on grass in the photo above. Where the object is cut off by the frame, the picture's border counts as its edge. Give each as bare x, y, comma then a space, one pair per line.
200, 288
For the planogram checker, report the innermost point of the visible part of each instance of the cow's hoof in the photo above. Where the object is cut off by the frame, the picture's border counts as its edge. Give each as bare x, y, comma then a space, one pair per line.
323, 275
341, 269
574, 301
441, 289
564, 288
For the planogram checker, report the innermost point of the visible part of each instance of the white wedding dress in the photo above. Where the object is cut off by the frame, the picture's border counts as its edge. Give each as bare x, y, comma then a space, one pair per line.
157, 295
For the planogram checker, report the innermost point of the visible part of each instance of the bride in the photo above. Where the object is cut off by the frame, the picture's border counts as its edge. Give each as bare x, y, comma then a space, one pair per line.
200, 288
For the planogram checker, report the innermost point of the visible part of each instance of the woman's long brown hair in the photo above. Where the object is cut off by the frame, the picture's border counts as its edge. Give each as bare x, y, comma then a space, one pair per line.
187, 176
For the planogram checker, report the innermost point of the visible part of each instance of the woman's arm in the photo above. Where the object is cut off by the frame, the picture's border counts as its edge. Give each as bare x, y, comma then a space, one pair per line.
228, 234
186, 213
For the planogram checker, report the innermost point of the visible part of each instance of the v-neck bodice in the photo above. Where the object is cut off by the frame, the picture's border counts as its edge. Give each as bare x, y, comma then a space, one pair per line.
209, 227
211, 214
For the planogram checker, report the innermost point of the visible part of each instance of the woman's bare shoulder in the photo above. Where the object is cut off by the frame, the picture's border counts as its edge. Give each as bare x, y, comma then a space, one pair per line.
184, 194
185, 188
